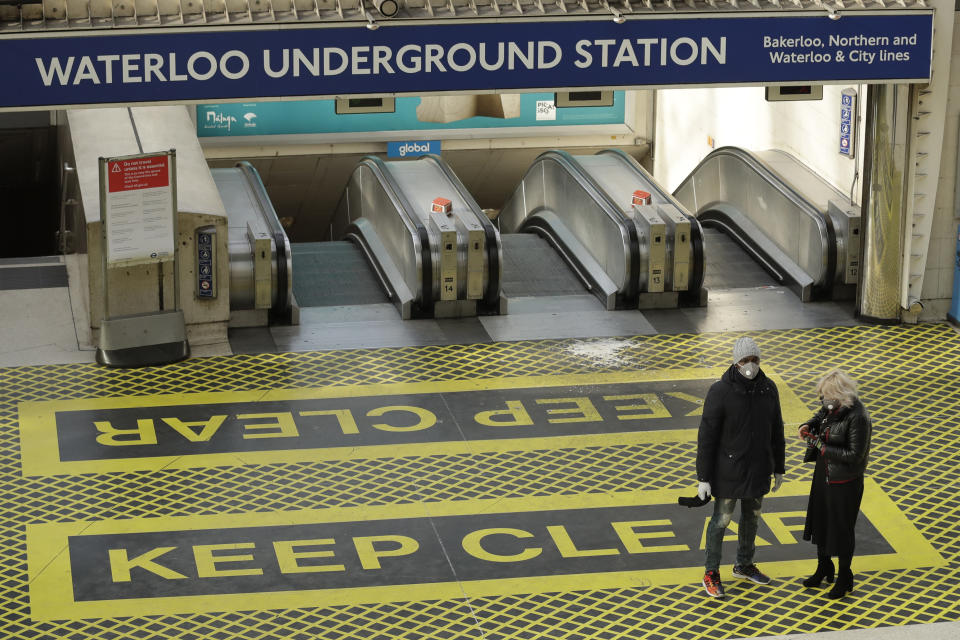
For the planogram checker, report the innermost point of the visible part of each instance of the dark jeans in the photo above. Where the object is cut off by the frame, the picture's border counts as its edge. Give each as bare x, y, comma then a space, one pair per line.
722, 514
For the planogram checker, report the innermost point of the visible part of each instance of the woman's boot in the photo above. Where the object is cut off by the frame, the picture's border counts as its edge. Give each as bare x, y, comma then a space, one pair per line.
824, 570
843, 585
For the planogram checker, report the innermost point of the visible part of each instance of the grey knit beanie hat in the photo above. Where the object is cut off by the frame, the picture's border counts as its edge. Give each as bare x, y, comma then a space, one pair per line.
744, 347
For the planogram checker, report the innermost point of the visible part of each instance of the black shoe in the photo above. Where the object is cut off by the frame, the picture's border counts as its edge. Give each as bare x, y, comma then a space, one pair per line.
752, 573
824, 571
843, 585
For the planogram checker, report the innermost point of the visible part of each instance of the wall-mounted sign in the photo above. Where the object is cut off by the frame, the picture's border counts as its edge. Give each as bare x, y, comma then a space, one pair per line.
268, 61
138, 208
206, 262
848, 123
412, 148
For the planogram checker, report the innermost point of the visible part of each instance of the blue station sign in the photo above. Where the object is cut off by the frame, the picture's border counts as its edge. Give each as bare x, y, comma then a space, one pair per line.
202, 64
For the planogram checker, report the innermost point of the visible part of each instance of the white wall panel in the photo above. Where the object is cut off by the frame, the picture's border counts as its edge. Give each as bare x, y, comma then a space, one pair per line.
688, 118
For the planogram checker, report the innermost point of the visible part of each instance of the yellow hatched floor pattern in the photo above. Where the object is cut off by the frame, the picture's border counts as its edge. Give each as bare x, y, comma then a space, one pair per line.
908, 378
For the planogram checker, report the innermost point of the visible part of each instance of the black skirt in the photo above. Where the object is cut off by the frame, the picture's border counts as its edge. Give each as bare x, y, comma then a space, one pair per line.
832, 512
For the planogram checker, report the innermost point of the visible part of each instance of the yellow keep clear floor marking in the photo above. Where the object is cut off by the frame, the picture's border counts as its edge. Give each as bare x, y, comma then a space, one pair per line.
914, 410
40, 447
51, 581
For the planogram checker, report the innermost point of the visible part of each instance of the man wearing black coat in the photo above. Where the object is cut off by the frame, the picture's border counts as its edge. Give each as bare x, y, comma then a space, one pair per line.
740, 445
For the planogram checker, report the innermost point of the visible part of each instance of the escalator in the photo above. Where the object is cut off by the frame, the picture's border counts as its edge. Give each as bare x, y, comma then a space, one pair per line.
622, 237
432, 249
408, 232
392, 244
801, 230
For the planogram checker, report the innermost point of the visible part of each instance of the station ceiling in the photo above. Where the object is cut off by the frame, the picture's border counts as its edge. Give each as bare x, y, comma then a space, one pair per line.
78, 15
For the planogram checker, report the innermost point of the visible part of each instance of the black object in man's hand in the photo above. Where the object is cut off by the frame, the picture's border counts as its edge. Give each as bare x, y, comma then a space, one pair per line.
695, 501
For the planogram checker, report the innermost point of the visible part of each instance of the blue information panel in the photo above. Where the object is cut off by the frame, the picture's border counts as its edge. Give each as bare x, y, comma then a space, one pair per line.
231, 119
848, 118
156, 65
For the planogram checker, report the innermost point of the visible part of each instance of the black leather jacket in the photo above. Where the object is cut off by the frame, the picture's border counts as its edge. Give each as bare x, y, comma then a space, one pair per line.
846, 441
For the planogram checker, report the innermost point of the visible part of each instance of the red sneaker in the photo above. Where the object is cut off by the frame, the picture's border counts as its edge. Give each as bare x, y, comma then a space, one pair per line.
711, 582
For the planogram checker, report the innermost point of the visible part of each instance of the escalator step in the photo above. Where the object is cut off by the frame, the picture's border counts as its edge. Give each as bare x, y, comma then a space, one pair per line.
531, 267
729, 266
327, 274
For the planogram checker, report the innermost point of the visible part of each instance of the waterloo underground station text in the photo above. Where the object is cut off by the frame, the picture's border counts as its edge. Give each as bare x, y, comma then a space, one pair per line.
235, 64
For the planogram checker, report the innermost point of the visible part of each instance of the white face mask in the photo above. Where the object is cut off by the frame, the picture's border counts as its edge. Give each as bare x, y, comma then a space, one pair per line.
830, 405
749, 370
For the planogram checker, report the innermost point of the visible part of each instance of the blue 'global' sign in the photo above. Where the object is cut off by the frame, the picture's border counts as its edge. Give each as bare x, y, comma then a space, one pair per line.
155, 65
412, 148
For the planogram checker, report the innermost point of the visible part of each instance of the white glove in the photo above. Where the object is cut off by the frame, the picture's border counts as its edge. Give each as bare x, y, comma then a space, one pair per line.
703, 490
777, 480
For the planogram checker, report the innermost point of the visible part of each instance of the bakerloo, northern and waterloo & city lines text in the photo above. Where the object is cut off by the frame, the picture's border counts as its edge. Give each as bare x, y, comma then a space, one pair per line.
856, 48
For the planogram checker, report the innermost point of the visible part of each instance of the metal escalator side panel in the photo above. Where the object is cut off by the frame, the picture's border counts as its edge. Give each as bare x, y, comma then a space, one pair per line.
364, 195
824, 197
629, 290
695, 256
555, 182
371, 195
742, 230
253, 282
800, 178
736, 177
365, 236
805, 235
282, 263
424, 249
458, 230
493, 273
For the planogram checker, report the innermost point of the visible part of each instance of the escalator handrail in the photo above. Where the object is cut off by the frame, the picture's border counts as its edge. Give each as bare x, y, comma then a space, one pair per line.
631, 162
494, 261
837, 192
403, 207
608, 206
568, 162
284, 257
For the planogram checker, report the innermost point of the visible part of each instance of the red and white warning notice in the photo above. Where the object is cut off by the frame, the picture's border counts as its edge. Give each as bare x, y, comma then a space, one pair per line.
139, 210
139, 173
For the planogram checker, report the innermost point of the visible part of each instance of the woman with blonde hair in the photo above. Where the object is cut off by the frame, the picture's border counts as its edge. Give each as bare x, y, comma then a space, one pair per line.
838, 439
